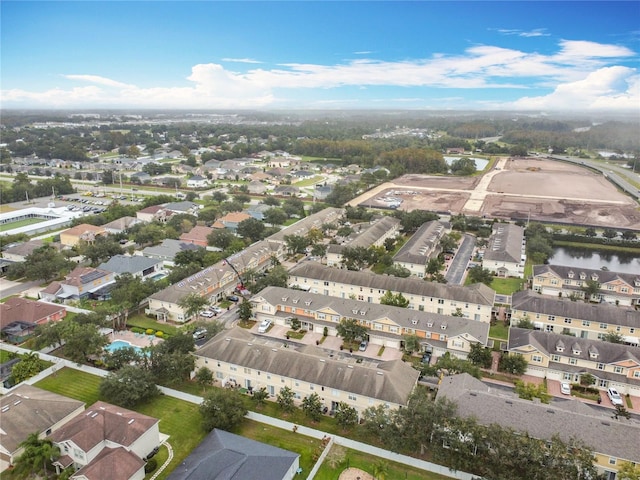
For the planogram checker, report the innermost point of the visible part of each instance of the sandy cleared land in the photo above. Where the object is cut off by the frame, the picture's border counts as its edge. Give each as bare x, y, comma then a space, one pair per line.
543, 189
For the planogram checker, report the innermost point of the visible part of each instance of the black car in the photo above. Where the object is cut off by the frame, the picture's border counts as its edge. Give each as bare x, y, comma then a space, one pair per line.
233, 298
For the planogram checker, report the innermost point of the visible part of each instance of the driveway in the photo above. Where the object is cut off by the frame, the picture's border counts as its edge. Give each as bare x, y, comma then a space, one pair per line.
458, 267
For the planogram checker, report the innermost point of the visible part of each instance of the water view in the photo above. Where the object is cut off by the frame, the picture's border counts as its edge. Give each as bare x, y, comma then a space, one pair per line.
481, 163
596, 259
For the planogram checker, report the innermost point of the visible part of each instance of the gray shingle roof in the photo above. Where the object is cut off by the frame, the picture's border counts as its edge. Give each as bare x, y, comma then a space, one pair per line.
225, 456
422, 243
478, 294
547, 343
505, 243
371, 312
530, 301
369, 235
302, 227
168, 248
390, 381
120, 264
568, 419
604, 276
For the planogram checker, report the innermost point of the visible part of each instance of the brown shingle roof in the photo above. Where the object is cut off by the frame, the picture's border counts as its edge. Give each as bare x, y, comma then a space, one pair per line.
26, 310
110, 464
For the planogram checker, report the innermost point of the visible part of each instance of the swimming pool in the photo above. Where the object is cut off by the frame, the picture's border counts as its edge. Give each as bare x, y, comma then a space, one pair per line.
118, 344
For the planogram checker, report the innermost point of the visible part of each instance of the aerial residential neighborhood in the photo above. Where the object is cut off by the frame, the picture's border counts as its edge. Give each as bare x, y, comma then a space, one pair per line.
320, 240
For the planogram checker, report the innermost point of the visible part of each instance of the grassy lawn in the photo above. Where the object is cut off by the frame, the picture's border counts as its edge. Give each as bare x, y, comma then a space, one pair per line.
5, 356
180, 420
142, 321
6, 209
309, 181
20, 223
499, 330
366, 462
507, 286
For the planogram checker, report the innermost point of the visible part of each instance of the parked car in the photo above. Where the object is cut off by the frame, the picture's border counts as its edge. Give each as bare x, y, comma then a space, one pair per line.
233, 298
264, 326
199, 334
216, 310
207, 314
615, 397
363, 345
565, 388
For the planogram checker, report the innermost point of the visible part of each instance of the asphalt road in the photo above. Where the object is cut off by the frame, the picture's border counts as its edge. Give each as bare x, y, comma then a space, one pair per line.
8, 288
455, 274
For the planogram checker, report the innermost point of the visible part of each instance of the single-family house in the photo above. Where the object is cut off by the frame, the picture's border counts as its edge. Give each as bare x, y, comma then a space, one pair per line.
424, 245
84, 232
560, 281
226, 456
27, 409
189, 208
258, 211
505, 253
154, 213
20, 316
231, 220
321, 192
197, 235
20, 252
140, 177
107, 442
286, 191
256, 187
82, 282
136, 265
238, 358
167, 250
121, 225
197, 181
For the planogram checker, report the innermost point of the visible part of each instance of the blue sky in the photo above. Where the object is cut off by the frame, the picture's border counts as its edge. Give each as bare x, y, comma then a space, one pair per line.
538, 56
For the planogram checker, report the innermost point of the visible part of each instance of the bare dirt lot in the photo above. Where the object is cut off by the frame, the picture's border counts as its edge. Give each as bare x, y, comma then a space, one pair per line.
543, 189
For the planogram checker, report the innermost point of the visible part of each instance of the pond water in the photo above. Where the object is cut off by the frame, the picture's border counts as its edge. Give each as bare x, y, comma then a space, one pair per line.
596, 259
481, 163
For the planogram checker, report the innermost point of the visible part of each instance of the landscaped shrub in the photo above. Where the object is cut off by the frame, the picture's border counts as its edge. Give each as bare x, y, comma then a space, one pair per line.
137, 330
159, 333
151, 465
150, 331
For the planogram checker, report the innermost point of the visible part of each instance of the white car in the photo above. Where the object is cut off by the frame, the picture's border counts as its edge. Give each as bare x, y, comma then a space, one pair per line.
264, 326
565, 388
615, 397
216, 309
207, 313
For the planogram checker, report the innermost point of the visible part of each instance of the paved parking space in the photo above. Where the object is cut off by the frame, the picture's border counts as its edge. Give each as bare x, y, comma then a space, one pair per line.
332, 343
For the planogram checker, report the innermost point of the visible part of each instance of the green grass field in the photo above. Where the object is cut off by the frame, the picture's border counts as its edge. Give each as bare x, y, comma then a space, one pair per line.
507, 286
309, 181
499, 331
20, 223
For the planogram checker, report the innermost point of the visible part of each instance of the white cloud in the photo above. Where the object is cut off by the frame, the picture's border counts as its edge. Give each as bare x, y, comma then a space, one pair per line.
579, 73
609, 88
241, 60
536, 32
97, 79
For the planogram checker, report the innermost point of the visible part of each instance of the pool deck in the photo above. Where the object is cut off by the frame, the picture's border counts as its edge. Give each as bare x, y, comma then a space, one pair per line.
139, 340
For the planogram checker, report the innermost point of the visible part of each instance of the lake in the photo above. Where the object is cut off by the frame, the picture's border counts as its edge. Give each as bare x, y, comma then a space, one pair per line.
481, 163
596, 259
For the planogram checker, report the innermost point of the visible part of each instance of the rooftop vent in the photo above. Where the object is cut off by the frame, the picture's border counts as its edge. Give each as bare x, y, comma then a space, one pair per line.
131, 421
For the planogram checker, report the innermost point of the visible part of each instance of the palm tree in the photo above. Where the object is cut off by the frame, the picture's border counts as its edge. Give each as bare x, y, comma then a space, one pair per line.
380, 470
37, 453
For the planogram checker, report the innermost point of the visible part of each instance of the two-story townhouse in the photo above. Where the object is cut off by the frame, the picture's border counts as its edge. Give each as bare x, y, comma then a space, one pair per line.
584, 320
107, 441
560, 281
474, 302
238, 358
611, 441
302, 226
505, 253
421, 247
386, 324
367, 235
566, 358
214, 282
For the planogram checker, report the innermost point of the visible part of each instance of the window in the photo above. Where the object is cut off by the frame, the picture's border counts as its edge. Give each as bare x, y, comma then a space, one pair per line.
624, 290
612, 460
618, 369
233, 369
636, 374
573, 361
548, 328
603, 326
352, 397
440, 301
335, 393
393, 329
586, 323
601, 366
555, 358
536, 358
219, 375
567, 320
552, 318
247, 371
